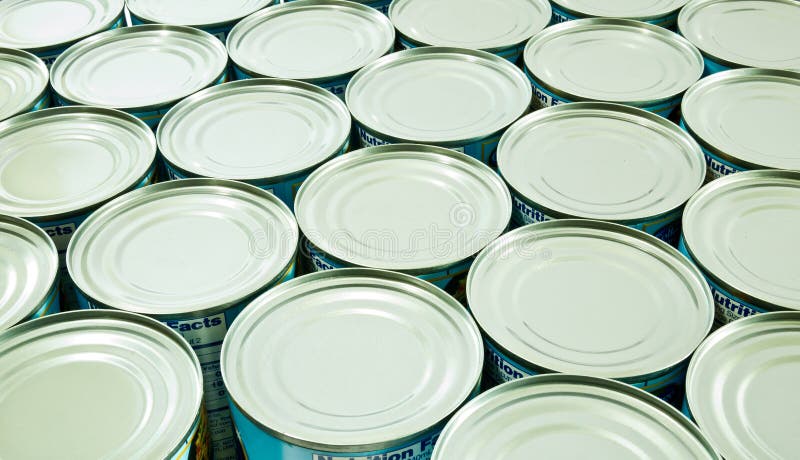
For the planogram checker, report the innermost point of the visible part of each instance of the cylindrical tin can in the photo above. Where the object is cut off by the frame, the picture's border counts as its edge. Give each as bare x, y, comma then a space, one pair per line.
142, 70
380, 5
662, 13
351, 363
610, 302
267, 132
595, 160
23, 83
190, 254
741, 231
611, 60
92, 384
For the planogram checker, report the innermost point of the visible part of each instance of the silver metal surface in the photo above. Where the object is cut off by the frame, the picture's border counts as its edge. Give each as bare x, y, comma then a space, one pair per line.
23, 82
629, 9
204, 13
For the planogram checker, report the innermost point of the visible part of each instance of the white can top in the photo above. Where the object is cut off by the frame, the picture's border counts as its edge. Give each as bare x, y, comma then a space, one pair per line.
204, 13
627, 9
23, 82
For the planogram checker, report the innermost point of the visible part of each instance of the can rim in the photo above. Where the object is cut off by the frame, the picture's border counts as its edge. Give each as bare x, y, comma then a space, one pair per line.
207, 25
648, 18
36, 65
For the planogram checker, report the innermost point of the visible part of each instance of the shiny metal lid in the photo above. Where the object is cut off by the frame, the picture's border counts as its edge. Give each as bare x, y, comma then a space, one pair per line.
206, 14
590, 298
630, 9
28, 269
187, 247
600, 161
747, 116
139, 67
489, 25
567, 416
23, 81
749, 33
254, 129
351, 360
404, 207
60, 161
96, 384
742, 230
614, 60
437, 94
742, 383
310, 39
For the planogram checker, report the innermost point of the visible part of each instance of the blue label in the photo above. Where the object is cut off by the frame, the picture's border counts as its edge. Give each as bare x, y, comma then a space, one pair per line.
43, 102
716, 167
560, 16
685, 409
511, 53
50, 305
336, 87
712, 67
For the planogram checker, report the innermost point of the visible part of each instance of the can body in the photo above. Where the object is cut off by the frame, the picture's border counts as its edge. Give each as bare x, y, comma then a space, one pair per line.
716, 167
380, 5
335, 85
511, 53
667, 21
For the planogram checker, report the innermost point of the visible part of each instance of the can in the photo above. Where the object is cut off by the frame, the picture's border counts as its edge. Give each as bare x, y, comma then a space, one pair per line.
594, 160
46, 28
29, 272
743, 120
570, 416
591, 298
267, 132
498, 27
23, 83
142, 70
743, 33
741, 231
662, 13
323, 42
190, 254
351, 363
380, 5
594, 60
92, 384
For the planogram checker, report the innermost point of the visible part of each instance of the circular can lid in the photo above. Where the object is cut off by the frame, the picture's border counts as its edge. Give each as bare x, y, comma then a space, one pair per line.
310, 39
745, 33
139, 68
352, 360
610, 301
613, 60
254, 129
489, 25
60, 161
437, 94
569, 416
600, 161
405, 207
627, 9
28, 268
37, 25
96, 384
741, 229
738, 382
23, 81
205, 14
747, 116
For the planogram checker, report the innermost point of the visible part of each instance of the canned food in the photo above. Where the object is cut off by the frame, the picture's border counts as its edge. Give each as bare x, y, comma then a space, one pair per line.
93, 384
611, 302
568, 416
142, 70
611, 60
501, 27
741, 231
46, 28
380, 5
735, 382
743, 33
190, 254
23, 83
267, 132
347, 364
745, 119
662, 13
595, 160
29, 272
323, 42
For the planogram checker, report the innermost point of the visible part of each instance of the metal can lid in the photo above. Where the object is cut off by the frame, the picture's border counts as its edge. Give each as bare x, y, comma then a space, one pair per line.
96, 384
741, 229
194, 13
745, 33
628, 9
254, 129
489, 25
369, 398
150, 251
600, 161
613, 60
139, 67
590, 298
23, 81
569, 416
747, 116
60, 161
405, 207
438, 94
738, 382
310, 39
